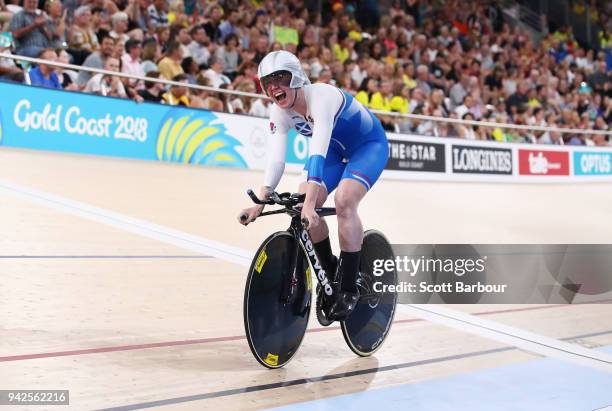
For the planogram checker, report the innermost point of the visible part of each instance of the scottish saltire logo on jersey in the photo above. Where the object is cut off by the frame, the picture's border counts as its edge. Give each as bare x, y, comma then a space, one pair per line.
304, 129
193, 137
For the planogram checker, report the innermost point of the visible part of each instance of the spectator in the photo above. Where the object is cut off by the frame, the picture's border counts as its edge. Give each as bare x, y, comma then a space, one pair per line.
517, 102
158, 13
242, 104
150, 54
229, 25
359, 72
460, 90
57, 22
170, 65
31, 30
260, 108
215, 14
107, 85
494, 81
198, 48
191, 69
162, 34
248, 72
152, 90
381, 100
215, 73
82, 40
139, 21
423, 79
5, 16
468, 131
229, 55
104, 10
417, 99
177, 95
261, 48
184, 39
261, 25
409, 75
119, 22
44, 75
204, 99
130, 63
438, 104
97, 59
67, 78
119, 49
399, 103
8, 69
441, 129
176, 14
598, 80
466, 107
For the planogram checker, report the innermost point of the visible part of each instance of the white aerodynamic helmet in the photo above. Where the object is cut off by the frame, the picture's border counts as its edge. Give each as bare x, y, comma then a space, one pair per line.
283, 61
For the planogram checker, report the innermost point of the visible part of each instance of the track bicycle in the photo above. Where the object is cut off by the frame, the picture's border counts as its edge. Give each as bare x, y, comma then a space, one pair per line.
278, 292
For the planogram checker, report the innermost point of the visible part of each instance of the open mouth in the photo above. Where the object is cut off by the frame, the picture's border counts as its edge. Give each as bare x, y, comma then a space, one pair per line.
279, 96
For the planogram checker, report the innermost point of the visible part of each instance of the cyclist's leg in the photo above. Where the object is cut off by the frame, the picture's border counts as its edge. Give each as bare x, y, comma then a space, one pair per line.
350, 230
332, 172
363, 169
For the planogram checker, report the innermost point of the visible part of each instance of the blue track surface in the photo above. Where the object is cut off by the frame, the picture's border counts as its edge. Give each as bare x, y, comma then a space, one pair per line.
542, 384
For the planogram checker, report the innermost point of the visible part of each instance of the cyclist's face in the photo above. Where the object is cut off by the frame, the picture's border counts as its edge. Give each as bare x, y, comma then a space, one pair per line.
276, 85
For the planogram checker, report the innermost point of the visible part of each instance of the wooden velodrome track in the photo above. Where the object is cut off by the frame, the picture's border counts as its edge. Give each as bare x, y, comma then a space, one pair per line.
122, 318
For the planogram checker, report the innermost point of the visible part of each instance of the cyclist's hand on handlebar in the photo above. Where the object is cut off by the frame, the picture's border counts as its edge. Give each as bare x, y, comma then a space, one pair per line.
310, 215
248, 215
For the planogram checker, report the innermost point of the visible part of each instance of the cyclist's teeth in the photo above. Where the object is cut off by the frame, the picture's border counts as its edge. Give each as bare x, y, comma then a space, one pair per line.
280, 96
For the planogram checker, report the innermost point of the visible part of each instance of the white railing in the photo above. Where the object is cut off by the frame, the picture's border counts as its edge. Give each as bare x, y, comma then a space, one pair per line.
261, 96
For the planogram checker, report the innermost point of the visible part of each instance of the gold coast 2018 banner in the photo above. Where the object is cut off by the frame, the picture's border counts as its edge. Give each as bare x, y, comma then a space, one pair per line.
43, 119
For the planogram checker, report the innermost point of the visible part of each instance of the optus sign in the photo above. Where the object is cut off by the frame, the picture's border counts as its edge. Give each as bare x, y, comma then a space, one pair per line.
592, 163
544, 163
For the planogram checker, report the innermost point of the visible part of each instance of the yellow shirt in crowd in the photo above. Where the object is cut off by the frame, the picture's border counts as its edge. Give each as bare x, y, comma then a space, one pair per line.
169, 68
171, 100
378, 102
399, 104
342, 54
363, 98
410, 83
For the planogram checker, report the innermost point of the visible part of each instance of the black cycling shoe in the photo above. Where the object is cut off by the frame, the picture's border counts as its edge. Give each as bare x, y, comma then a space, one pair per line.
344, 305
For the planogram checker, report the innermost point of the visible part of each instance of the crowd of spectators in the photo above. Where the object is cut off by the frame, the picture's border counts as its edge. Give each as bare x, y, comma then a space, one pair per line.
449, 58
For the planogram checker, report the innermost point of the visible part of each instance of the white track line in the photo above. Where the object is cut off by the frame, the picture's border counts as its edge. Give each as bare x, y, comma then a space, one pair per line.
133, 225
517, 337
509, 335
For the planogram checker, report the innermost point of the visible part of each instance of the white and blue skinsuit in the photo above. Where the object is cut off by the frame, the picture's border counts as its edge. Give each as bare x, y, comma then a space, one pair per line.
347, 140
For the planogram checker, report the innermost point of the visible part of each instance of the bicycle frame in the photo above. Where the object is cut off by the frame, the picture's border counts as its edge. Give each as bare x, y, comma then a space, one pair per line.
296, 229
301, 234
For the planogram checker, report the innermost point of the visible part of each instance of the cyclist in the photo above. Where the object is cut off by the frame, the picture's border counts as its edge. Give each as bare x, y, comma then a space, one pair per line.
348, 151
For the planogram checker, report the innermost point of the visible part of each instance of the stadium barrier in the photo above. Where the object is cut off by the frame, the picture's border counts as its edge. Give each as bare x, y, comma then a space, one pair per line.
44, 119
